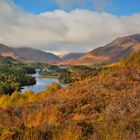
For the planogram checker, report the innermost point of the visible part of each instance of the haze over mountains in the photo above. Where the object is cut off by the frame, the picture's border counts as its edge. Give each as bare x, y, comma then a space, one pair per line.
109, 53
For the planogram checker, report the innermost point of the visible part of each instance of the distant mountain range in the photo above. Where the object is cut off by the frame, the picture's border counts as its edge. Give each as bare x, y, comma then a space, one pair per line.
109, 53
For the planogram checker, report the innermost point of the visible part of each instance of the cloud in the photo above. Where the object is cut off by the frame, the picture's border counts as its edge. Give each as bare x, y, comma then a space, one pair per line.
60, 31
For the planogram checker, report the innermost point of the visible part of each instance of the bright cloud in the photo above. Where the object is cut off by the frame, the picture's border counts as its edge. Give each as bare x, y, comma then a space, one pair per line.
60, 31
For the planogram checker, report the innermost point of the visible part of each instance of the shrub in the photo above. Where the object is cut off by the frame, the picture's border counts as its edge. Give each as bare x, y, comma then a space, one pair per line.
53, 87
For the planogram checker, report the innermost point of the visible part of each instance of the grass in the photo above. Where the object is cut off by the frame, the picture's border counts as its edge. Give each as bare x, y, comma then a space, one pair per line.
104, 106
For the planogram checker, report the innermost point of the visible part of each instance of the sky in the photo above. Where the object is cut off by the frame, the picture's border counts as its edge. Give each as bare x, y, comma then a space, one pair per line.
117, 7
64, 26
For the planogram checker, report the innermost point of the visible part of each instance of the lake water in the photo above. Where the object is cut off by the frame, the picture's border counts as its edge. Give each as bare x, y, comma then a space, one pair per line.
41, 83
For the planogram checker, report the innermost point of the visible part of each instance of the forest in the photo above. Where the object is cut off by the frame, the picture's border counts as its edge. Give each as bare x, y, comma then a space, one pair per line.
13, 76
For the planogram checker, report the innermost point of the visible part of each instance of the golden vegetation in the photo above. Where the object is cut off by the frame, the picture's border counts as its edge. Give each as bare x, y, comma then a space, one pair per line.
102, 107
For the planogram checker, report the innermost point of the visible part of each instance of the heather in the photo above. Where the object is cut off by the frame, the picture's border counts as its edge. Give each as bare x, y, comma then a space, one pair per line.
104, 106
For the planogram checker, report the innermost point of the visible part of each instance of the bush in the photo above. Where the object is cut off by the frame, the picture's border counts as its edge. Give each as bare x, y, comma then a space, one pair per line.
53, 87
133, 58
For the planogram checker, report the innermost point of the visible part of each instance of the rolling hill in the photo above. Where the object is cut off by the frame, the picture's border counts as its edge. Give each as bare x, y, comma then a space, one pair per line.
28, 54
112, 52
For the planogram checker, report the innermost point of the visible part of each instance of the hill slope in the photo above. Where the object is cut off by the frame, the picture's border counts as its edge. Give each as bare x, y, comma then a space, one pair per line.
71, 56
111, 52
102, 107
28, 54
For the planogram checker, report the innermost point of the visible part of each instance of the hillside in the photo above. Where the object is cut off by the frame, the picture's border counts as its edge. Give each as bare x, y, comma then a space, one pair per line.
104, 106
71, 56
28, 54
5, 49
111, 52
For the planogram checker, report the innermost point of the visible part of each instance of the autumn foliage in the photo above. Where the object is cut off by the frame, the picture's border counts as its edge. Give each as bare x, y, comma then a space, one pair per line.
101, 107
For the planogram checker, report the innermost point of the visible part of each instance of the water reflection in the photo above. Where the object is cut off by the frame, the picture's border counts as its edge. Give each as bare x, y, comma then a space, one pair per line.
41, 83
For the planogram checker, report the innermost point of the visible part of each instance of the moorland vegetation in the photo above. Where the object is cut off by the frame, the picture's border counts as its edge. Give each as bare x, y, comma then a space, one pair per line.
103, 106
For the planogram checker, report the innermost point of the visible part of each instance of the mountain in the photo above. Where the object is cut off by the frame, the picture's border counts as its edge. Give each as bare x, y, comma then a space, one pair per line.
112, 52
71, 56
109, 53
28, 54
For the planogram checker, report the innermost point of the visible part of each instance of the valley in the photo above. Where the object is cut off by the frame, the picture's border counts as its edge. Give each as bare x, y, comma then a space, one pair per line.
49, 101
112, 52
101, 106
69, 69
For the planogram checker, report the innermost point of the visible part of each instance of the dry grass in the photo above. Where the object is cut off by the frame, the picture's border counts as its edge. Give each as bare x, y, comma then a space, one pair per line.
103, 107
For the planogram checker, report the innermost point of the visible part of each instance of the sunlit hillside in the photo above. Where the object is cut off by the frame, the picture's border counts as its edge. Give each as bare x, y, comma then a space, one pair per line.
104, 106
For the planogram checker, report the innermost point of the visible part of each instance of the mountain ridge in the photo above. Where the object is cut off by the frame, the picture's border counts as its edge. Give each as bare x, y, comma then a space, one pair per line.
28, 54
112, 52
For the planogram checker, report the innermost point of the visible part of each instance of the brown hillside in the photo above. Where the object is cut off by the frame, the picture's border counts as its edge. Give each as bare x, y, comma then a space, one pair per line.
111, 52
102, 107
